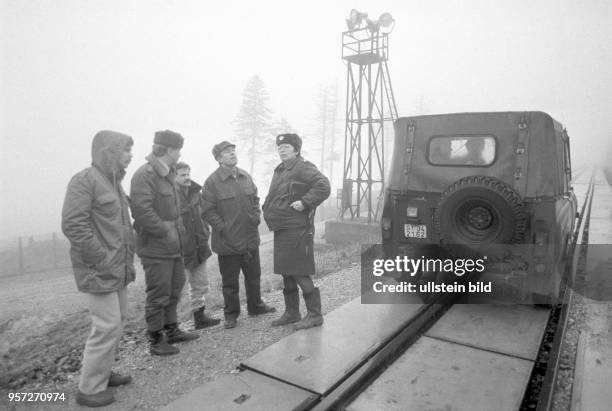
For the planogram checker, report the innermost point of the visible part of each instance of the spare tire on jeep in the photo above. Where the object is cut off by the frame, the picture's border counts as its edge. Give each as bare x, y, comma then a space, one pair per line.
479, 210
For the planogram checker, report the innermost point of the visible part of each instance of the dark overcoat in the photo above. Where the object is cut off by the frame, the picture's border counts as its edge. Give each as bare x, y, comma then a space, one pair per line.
294, 230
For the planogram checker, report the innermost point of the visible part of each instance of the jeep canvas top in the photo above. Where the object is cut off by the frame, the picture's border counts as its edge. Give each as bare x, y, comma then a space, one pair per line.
482, 178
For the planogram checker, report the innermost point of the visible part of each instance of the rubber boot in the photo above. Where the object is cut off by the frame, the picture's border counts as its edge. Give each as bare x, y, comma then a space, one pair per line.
175, 335
313, 317
292, 309
201, 320
158, 344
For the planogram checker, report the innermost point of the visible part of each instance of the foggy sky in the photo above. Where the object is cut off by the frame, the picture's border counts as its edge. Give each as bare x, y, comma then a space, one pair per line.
70, 68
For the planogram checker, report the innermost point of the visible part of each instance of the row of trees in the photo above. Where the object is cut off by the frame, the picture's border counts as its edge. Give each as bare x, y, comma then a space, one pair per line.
256, 128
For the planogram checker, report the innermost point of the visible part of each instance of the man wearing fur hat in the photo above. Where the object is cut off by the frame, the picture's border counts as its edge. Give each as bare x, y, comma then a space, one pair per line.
297, 188
156, 211
231, 207
96, 220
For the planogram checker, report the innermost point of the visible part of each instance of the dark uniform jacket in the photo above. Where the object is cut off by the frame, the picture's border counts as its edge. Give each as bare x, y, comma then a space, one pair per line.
231, 206
155, 208
277, 213
195, 244
96, 220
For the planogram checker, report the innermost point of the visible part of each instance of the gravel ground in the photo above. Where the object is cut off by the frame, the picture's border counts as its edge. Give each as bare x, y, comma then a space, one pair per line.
563, 390
158, 381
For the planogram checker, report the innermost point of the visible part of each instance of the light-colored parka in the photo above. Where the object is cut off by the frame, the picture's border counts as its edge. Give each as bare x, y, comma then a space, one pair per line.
96, 220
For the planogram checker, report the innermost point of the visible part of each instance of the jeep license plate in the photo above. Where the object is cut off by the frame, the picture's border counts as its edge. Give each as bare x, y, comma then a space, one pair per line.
415, 230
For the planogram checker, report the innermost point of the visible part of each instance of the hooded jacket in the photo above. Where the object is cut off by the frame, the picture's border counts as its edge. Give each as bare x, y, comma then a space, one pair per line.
156, 210
96, 220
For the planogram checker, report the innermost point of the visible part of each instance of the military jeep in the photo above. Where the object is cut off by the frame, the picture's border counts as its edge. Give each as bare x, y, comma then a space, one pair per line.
476, 179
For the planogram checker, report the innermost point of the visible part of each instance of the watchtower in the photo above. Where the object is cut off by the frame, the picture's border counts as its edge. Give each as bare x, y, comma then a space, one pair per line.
369, 103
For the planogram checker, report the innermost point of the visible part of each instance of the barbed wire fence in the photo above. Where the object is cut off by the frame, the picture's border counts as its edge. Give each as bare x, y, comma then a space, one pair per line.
34, 253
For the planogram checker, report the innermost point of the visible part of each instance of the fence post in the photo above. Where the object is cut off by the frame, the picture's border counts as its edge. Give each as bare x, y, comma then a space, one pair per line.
21, 267
54, 250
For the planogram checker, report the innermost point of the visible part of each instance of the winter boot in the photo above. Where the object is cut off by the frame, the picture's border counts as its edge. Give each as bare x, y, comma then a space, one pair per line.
175, 335
158, 344
313, 317
201, 320
116, 379
262, 308
292, 309
230, 323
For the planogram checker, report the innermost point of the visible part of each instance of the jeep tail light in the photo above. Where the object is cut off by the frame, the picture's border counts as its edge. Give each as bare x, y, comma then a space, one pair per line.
412, 212
386, 227
541, 239
386, 223
540, 268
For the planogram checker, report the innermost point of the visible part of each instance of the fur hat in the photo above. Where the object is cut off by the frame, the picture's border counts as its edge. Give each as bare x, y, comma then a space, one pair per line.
169, 139
290, 138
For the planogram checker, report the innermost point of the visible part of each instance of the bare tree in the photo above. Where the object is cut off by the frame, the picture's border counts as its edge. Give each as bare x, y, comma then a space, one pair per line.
334, 156
252, 124
322, 115
327, 117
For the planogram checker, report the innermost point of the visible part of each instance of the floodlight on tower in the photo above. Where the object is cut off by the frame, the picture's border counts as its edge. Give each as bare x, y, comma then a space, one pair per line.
355, 19
384, 23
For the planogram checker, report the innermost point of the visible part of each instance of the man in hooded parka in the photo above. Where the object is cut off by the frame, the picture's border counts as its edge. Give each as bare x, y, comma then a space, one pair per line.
96, 220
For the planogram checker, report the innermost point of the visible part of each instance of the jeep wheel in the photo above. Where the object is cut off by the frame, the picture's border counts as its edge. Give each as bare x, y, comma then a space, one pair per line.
480, 210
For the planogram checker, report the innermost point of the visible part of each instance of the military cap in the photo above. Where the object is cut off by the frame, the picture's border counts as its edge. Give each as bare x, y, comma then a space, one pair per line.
218, 148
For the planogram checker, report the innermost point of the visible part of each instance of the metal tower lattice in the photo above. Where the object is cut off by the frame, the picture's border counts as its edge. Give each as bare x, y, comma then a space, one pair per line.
369, 103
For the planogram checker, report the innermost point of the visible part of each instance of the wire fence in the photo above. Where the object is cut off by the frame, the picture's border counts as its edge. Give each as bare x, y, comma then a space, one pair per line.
36, 253
33, 254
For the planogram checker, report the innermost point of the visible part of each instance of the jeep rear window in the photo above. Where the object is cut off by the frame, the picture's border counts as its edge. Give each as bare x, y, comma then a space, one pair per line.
462, 150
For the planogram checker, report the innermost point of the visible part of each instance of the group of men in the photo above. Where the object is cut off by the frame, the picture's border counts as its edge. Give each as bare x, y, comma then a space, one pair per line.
170, 235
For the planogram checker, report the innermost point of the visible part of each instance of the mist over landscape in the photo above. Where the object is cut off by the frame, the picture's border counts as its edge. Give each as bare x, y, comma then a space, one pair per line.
71, 68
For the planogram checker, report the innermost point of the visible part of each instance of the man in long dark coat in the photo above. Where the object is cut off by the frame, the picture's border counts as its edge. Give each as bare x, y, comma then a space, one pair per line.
297, 188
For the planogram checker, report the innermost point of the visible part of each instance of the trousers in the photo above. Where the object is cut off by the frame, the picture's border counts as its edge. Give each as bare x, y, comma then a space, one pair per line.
108, 313
230, 266
164, 280
198, 284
